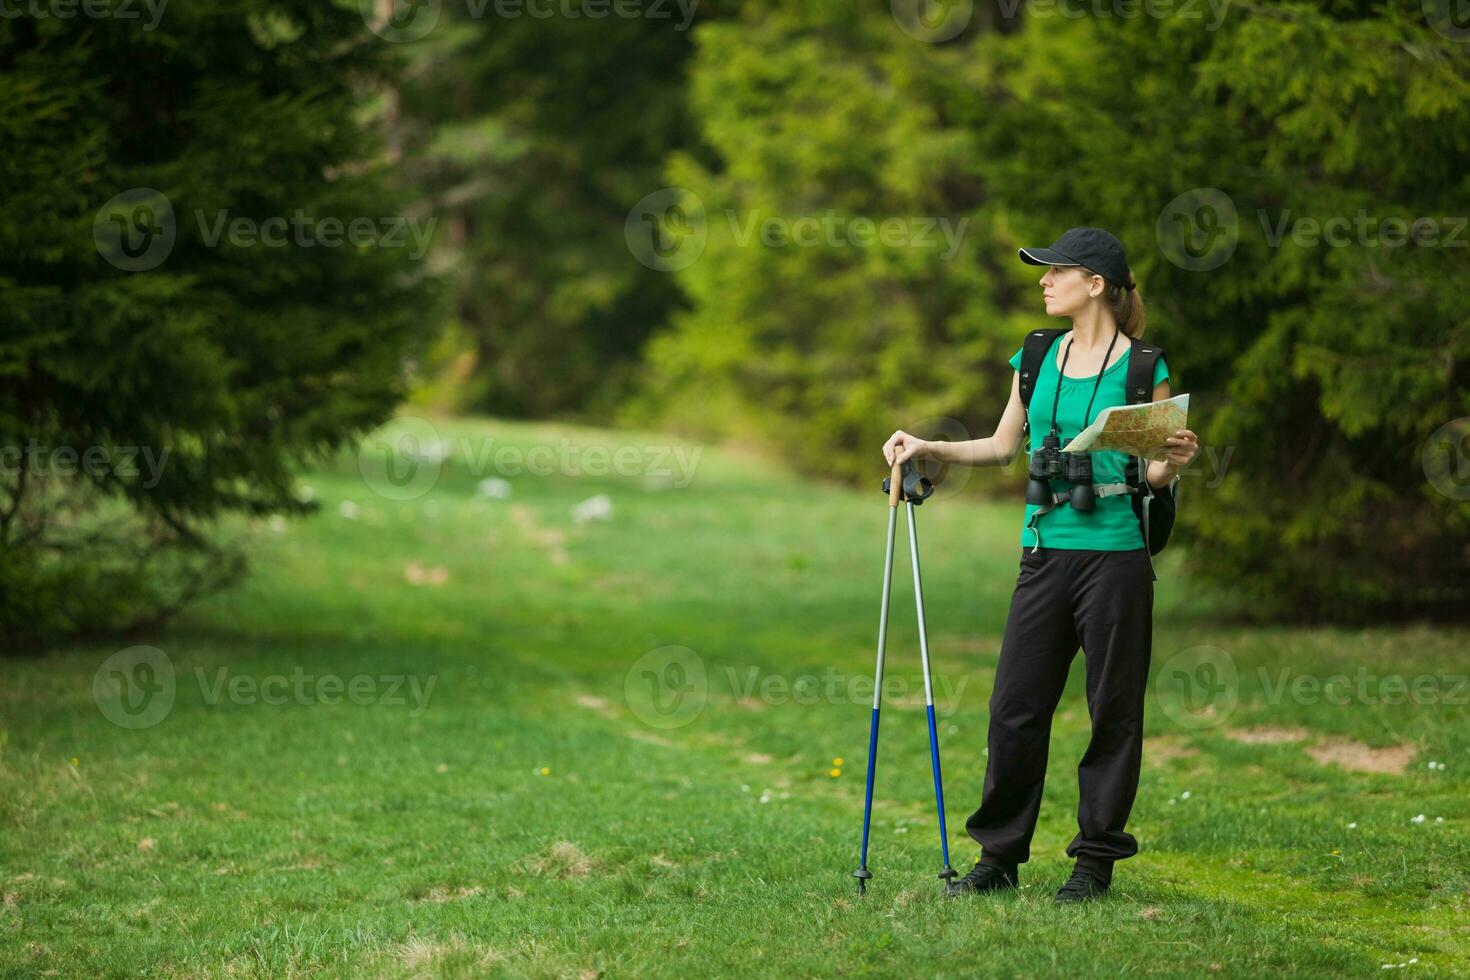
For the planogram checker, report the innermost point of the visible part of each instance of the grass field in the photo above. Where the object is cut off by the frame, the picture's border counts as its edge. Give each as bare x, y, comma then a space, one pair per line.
510, 743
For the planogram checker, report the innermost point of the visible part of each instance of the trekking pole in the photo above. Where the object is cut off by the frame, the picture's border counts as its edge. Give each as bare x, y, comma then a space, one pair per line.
904, 483
862, 874
948, 872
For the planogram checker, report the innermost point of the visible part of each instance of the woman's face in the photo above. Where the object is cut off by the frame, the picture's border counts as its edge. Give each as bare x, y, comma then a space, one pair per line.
1065, 289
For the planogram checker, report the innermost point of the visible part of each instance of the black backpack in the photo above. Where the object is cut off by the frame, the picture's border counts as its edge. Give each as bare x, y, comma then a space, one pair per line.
1155, 508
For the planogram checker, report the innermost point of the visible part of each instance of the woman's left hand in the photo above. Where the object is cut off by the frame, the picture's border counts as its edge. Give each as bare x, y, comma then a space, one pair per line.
1181, 447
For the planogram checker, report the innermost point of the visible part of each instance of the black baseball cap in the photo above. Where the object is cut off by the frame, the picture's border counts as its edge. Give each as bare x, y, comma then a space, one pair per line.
1092, 248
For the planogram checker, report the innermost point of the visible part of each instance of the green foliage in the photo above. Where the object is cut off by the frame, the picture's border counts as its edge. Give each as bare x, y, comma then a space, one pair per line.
536, 136
226, 362
1320, 368
828, 332
1333, 362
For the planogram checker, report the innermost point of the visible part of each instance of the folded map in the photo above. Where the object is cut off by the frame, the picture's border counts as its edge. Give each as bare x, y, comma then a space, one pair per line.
1138, 430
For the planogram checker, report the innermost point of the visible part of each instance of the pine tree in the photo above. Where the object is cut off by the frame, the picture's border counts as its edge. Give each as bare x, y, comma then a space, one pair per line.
161, 367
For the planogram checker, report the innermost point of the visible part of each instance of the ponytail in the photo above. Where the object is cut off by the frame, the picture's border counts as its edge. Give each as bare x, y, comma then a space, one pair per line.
1127, 307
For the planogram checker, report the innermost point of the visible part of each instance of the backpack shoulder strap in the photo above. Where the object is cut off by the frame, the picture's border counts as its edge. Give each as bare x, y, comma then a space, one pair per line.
1033, 354
1141, 361
1139, 389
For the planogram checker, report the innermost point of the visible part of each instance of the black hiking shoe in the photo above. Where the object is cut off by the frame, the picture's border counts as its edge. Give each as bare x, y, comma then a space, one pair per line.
982, 878
1083, 886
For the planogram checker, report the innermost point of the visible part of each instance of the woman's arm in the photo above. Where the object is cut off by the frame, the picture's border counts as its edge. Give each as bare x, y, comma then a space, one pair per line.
1001, 448
1182, 446
998, 450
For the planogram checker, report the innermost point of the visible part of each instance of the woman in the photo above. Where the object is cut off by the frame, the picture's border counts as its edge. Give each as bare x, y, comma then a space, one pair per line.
1092, 584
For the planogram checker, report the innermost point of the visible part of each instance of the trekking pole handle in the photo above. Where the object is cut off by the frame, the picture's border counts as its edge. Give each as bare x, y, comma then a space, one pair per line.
905, 482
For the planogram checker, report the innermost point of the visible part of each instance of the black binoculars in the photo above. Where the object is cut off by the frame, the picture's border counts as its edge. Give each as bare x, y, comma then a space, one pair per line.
1050, 463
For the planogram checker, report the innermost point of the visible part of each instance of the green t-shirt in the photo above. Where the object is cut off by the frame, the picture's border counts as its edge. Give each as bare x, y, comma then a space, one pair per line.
1112, 526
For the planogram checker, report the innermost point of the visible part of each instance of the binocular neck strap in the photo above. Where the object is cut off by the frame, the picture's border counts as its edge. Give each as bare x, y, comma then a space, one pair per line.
1062, 373
1057, 498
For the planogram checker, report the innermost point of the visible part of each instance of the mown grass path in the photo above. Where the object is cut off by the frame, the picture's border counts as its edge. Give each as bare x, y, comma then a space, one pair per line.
539, 783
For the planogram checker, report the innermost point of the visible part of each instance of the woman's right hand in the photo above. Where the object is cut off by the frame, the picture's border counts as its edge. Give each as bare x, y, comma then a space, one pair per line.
901, 446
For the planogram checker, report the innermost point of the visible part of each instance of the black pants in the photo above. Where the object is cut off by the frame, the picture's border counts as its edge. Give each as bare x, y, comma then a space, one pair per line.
1104, 601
